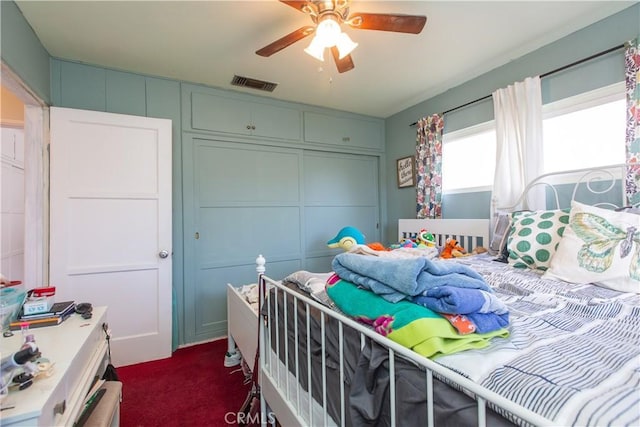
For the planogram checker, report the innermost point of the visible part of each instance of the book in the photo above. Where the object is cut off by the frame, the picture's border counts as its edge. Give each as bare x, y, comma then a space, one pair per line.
89, 407
57, 309
52, 320
94, 388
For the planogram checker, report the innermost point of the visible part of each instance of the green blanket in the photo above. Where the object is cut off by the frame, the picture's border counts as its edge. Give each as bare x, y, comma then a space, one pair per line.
409, 324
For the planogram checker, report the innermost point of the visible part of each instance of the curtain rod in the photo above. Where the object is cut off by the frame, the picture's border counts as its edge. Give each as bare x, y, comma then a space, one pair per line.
548, 73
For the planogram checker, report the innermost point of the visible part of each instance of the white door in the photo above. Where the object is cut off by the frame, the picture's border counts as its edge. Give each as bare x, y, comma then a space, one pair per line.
110, 224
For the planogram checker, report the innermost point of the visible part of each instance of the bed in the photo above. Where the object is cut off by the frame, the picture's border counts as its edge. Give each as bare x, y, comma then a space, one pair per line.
571, 355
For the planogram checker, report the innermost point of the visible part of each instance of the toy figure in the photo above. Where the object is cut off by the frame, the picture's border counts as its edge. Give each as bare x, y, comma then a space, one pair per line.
452, 249
346, 238
425, 238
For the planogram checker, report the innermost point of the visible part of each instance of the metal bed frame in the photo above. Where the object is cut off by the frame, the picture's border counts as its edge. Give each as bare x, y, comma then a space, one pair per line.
278, 397
282, 398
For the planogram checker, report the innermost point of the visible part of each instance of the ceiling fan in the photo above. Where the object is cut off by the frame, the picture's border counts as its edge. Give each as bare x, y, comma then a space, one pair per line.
328, 16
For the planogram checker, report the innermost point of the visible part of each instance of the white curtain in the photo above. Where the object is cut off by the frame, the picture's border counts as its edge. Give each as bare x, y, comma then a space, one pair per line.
518, 117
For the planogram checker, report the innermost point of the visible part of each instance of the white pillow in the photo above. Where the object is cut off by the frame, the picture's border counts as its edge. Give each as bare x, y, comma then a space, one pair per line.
309, 282
599, 246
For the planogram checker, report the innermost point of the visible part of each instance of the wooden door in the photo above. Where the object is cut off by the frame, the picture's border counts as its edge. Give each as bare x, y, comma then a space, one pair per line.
110, 224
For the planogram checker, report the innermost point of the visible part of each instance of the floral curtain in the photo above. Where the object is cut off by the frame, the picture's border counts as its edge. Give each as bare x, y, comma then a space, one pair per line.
429, 167
632, 80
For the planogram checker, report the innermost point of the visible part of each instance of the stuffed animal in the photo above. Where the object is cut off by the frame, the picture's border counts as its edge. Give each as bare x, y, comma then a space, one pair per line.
348, 237
452, 249
406, 243
425, 238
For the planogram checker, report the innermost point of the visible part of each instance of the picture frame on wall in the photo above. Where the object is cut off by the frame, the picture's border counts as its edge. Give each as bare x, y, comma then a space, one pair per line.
406, 168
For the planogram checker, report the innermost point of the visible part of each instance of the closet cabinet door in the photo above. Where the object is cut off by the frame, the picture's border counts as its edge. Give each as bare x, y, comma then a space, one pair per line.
275, 122
344, 130
213, 112
220, 114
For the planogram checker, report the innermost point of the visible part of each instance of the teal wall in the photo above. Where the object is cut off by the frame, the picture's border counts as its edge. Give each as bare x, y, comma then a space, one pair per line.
400, 137
22, 51
82, 86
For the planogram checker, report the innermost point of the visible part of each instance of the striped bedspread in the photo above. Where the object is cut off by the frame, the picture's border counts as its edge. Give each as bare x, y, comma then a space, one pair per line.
574, 351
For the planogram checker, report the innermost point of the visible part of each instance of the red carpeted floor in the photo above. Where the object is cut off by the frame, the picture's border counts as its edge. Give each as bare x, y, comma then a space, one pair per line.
191, 388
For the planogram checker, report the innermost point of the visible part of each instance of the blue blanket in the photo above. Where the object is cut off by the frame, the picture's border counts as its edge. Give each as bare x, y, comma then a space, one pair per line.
483, 309
453, 300
396, 279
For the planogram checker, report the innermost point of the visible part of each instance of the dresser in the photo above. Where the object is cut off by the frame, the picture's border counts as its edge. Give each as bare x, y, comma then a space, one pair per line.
78, 349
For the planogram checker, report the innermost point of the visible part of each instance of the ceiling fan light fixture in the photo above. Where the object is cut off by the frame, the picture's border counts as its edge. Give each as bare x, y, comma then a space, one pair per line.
345, 45
328, 32
328, 17
316, 49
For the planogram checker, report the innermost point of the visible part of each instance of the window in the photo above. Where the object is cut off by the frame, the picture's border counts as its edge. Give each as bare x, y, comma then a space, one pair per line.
469, 159
585, 131
582, 131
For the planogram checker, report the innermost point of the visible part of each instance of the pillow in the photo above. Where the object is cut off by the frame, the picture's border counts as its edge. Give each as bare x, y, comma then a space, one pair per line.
309, 282
500, 230
503, 255
534, 237
600, 246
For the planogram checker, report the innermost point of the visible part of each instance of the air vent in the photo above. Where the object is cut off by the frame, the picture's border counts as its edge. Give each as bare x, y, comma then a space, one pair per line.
253, 83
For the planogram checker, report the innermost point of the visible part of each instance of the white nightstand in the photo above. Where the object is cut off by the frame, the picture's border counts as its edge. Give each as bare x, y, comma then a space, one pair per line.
78, 348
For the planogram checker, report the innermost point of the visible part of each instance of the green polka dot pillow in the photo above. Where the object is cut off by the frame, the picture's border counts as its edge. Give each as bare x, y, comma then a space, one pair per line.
534, 237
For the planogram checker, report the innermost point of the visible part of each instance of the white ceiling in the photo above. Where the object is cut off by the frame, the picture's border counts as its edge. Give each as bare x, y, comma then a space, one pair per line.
209, 41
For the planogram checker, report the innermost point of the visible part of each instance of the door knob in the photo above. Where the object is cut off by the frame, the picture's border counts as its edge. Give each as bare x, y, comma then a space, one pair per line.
163, 254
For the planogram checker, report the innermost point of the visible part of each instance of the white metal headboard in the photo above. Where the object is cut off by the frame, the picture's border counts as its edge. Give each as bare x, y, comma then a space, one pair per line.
602, 186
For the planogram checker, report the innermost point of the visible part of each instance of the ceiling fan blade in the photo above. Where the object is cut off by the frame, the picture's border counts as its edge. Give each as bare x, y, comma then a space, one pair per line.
388, 22
345, 64
286, 41
295, 4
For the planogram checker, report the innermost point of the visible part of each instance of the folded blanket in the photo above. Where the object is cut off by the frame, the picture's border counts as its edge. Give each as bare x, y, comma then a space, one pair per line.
452, 300
397, 279
427, 252
483, 309
411, 325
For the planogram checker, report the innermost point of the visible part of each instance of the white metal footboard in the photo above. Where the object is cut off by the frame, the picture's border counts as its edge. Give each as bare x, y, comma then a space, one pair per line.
287, 401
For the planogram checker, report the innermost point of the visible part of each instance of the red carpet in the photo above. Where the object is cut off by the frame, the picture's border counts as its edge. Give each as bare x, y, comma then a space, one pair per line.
191, 388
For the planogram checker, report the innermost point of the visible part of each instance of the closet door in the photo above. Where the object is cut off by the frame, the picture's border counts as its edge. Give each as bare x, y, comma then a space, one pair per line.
339, 190
241, 200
